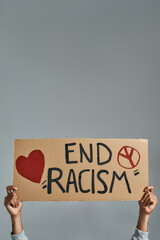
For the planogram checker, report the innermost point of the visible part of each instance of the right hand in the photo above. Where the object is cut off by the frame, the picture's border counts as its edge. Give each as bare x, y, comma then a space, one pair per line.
12, 202
148, 201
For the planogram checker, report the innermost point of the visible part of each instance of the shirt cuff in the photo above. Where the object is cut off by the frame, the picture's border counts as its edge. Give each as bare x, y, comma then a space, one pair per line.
140, 234
19, 236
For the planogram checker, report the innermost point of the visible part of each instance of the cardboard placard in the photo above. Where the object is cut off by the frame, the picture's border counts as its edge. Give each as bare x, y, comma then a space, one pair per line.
80, 169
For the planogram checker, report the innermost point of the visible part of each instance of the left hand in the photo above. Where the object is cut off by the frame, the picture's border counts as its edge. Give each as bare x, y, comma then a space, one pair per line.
12, 203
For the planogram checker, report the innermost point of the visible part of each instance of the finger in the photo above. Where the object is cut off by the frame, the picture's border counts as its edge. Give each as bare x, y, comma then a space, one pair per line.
151, 202
149, 189
14, 195
151, 194
15, 199
5, 201
144, 197
20, 205
12, 203
11, 189
154, 200
146, 200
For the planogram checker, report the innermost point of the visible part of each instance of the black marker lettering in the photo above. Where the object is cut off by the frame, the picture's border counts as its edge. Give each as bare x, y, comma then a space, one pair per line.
102, 181
80, 181
82, 152
56, 180
119, 178
98, 154
93, 184
69, 151
71, 174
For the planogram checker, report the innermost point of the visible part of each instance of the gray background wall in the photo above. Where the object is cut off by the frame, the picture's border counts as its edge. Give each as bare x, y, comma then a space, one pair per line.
79, 69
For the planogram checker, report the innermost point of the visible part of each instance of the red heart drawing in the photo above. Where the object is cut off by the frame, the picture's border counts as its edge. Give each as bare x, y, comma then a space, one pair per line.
31, 167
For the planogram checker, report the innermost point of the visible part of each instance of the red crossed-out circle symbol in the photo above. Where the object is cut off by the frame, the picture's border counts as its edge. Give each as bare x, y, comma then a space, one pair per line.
131, 155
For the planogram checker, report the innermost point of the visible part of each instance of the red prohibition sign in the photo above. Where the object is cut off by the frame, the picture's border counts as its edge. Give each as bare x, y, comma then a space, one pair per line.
129, 152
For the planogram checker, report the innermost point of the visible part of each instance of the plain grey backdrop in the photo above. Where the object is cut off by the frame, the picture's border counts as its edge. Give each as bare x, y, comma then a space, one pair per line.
79, 69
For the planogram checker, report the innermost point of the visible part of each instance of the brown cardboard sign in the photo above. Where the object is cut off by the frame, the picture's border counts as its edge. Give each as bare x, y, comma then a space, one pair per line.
80, 169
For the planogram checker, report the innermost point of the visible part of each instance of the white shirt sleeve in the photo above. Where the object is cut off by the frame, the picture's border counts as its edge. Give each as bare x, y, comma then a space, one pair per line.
139, 235
20, 236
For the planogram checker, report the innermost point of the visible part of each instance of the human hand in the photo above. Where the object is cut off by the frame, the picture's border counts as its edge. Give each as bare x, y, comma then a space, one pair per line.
147, 204
148, 201
12, 203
